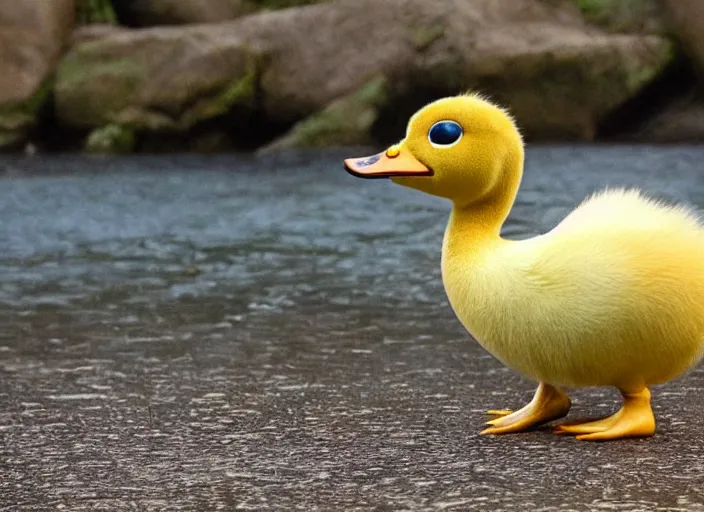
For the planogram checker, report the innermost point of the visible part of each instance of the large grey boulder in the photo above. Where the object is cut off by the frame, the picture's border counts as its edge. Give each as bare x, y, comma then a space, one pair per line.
557, 75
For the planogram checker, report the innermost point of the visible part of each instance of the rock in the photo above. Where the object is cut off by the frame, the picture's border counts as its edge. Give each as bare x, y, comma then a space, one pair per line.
86, 33
558, 76
625, 16
683, 122
560, 83
157, 79
346, 121
112, 138
687, 20
32, 36
146, 13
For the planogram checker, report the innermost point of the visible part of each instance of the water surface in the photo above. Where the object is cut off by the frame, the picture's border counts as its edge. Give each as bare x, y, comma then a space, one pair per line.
270, 333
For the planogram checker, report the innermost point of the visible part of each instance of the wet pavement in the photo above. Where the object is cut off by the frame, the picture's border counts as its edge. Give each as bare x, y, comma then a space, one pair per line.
230, 333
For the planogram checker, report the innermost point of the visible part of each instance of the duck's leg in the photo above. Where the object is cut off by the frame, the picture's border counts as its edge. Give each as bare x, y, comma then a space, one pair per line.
634, 419
549, 403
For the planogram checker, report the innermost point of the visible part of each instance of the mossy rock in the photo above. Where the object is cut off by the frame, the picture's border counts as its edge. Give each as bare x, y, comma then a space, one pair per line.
346, 121
240, 91
156, 80
112, 138
95, 11
86, 71
18, 119
625, 16
13, 130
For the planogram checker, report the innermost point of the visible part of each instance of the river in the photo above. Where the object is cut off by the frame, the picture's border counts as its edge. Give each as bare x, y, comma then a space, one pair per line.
271, 333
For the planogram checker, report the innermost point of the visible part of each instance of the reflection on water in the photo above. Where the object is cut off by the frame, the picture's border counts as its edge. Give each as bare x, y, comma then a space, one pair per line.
280, 311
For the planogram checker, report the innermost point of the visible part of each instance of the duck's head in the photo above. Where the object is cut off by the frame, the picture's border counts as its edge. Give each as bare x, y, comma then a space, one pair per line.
462, 148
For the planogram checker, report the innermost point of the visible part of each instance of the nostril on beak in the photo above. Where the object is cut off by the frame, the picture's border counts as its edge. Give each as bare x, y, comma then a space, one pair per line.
393, 152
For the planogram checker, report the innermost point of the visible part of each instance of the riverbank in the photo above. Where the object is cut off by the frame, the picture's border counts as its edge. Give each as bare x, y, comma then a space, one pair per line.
225, 75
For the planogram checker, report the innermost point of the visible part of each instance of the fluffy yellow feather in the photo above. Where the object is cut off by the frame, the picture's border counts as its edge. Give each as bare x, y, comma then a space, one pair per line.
613, 296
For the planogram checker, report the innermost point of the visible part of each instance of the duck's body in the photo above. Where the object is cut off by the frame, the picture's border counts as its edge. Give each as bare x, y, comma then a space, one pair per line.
613, 296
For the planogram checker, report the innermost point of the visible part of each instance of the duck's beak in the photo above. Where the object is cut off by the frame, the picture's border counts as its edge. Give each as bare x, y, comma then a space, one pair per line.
391, 163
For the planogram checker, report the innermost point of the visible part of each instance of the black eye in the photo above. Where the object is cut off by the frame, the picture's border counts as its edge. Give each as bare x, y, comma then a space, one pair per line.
445, 133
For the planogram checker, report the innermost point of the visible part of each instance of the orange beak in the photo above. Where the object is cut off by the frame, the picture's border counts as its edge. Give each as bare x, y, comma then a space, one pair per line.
389, 164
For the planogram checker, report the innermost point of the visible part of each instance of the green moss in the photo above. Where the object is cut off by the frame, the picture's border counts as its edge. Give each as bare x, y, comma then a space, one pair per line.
20, 113
591, 7
346, 121
112, 138
14, 126
16, 119
638, 76
239, 92
40, 97
111, 81
423, 37
373, 93
321, 129
95, 11
80, 67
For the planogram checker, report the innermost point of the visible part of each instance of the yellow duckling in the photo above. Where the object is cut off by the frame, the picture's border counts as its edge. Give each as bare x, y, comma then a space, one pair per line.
613, 296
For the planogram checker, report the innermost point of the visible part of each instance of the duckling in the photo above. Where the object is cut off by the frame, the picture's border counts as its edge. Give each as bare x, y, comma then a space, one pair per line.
612, 296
